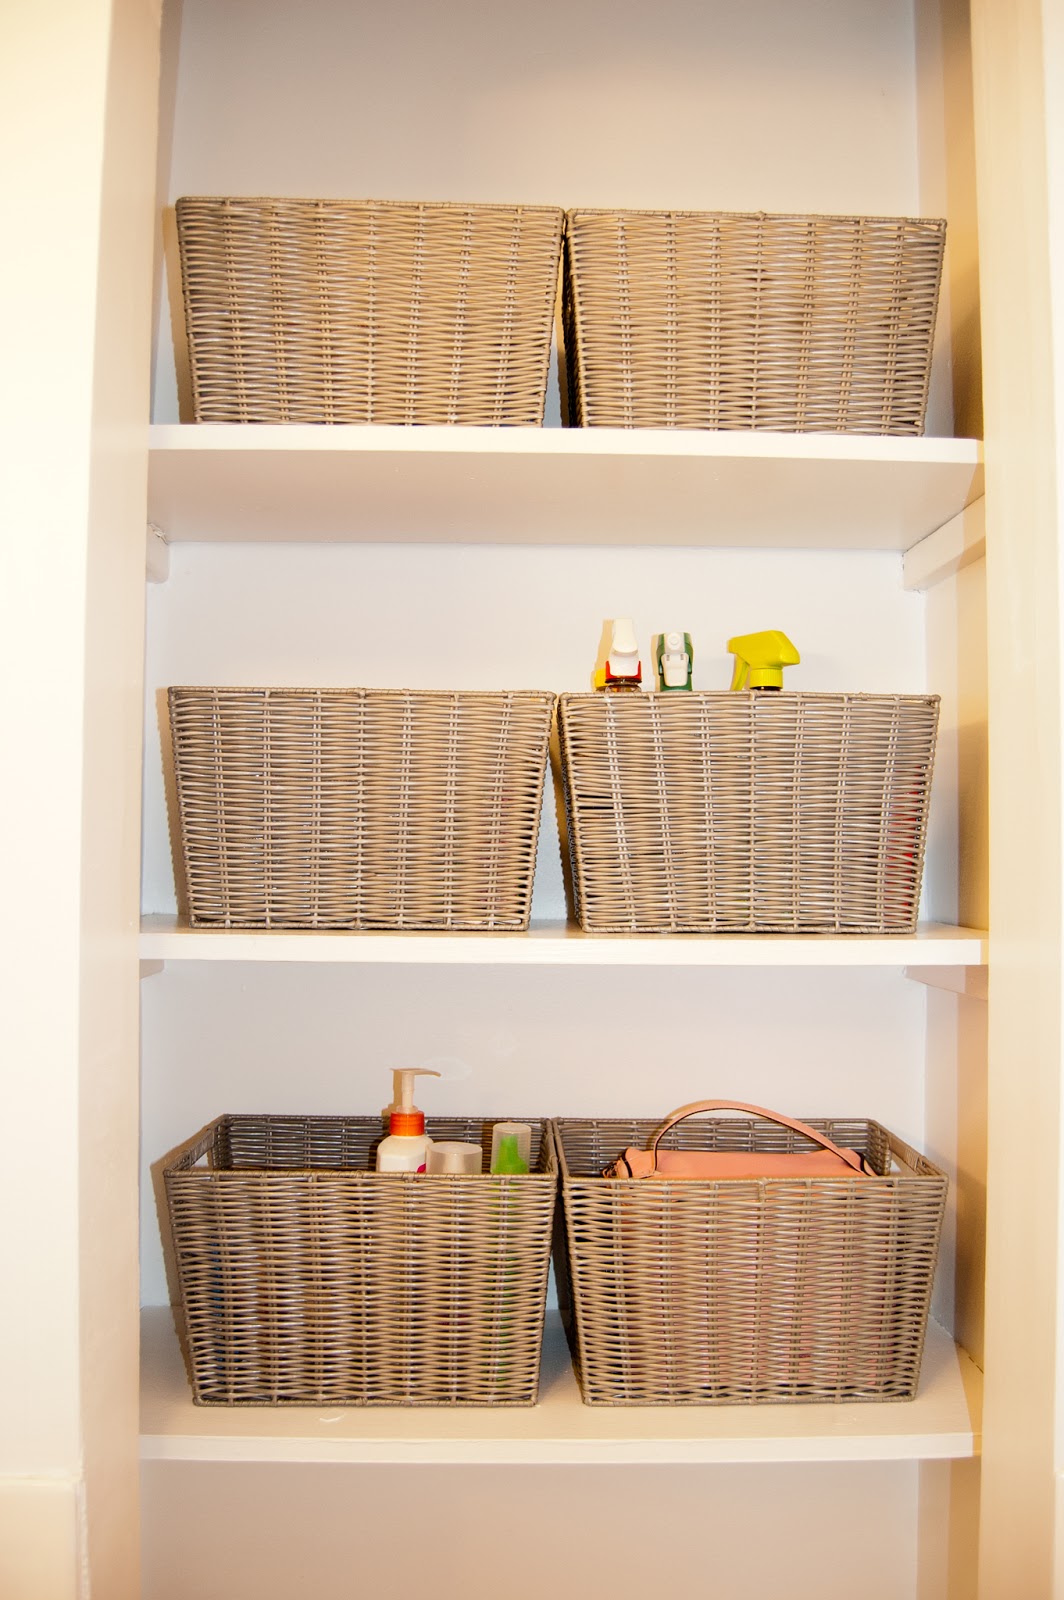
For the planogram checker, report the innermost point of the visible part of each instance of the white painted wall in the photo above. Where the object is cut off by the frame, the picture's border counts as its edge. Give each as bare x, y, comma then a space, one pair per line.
56, 279
1018, 58
957, 862
1053, 66
956, 890
745, 1533
78, 99
947, 185
553, 102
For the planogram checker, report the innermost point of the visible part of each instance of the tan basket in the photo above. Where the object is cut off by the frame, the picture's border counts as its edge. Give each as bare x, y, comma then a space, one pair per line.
688, 1292
747, 813
368, 311
308, 1279
697, 319
359, 808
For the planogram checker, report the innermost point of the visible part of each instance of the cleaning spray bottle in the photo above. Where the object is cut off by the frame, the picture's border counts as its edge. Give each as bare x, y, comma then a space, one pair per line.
623, 671
760, 659
673, 660
406, 1147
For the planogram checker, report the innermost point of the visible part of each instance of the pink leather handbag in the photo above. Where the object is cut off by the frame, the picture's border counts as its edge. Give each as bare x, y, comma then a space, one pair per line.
830, 1161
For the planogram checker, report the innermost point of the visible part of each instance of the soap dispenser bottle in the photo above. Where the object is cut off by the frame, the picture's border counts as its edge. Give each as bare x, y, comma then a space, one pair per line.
407, 1145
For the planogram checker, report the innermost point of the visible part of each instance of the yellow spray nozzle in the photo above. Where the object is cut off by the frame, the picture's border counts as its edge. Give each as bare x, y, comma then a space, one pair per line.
760, 659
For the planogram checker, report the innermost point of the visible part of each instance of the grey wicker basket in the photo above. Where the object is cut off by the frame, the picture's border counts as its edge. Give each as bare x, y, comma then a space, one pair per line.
368, 311
809, 324
308, 1279
766, 1291
359, 808
747, 812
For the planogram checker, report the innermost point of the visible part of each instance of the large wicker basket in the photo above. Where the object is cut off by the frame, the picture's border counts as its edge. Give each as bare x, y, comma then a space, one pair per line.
359, 808
809, 324
308, 1279
688, 1292
368, 311
747, 813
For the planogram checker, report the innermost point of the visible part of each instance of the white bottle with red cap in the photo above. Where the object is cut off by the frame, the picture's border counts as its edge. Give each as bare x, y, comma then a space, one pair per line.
406, 1148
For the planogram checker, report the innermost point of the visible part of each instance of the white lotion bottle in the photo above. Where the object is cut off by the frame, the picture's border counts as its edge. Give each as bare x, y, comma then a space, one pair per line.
406, 1149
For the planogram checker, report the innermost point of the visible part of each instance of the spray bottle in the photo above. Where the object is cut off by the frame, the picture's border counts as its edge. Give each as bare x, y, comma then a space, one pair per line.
406, 1147
760, 659
673, 660
623, 670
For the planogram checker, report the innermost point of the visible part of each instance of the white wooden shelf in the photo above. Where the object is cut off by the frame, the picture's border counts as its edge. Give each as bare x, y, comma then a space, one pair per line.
937, 1425
555, 486
164, 938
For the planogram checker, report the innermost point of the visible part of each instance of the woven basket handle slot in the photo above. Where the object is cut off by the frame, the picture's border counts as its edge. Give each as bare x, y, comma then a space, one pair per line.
185, 1157
683, 1112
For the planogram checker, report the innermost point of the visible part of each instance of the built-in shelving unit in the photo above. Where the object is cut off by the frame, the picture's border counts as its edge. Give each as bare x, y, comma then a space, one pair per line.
560, 1430
164, 938
860, 547
556, 486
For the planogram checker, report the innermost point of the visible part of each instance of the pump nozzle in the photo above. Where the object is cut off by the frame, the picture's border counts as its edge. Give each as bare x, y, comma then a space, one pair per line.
405, 1118
760, 659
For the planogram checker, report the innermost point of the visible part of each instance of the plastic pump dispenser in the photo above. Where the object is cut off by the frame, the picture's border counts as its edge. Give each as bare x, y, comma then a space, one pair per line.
407, 1145
760, 659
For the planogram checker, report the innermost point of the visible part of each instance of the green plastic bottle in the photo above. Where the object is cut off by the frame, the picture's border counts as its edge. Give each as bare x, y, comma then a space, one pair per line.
508, 1158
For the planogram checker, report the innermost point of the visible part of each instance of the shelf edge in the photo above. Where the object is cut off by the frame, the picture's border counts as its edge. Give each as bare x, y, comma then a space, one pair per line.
935, 945
368, 438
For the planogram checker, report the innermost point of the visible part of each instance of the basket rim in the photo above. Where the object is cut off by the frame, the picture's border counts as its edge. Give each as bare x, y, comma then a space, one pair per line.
938, 223
899, 1147
565, 696
355, 689
496, 207
178, 1165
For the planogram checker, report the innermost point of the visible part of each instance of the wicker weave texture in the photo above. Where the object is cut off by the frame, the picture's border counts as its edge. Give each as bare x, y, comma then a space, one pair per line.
308, 1279
368, 311
359, 808
747, 813
809, 324
684, 1292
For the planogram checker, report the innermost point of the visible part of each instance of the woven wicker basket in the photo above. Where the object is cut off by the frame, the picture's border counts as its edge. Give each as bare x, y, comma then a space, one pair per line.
368, 311
685, 1292
308, 1279
718, 320
359, 808
747, 813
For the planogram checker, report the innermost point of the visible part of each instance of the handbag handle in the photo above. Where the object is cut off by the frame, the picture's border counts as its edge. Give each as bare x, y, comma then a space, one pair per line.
848, 1156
